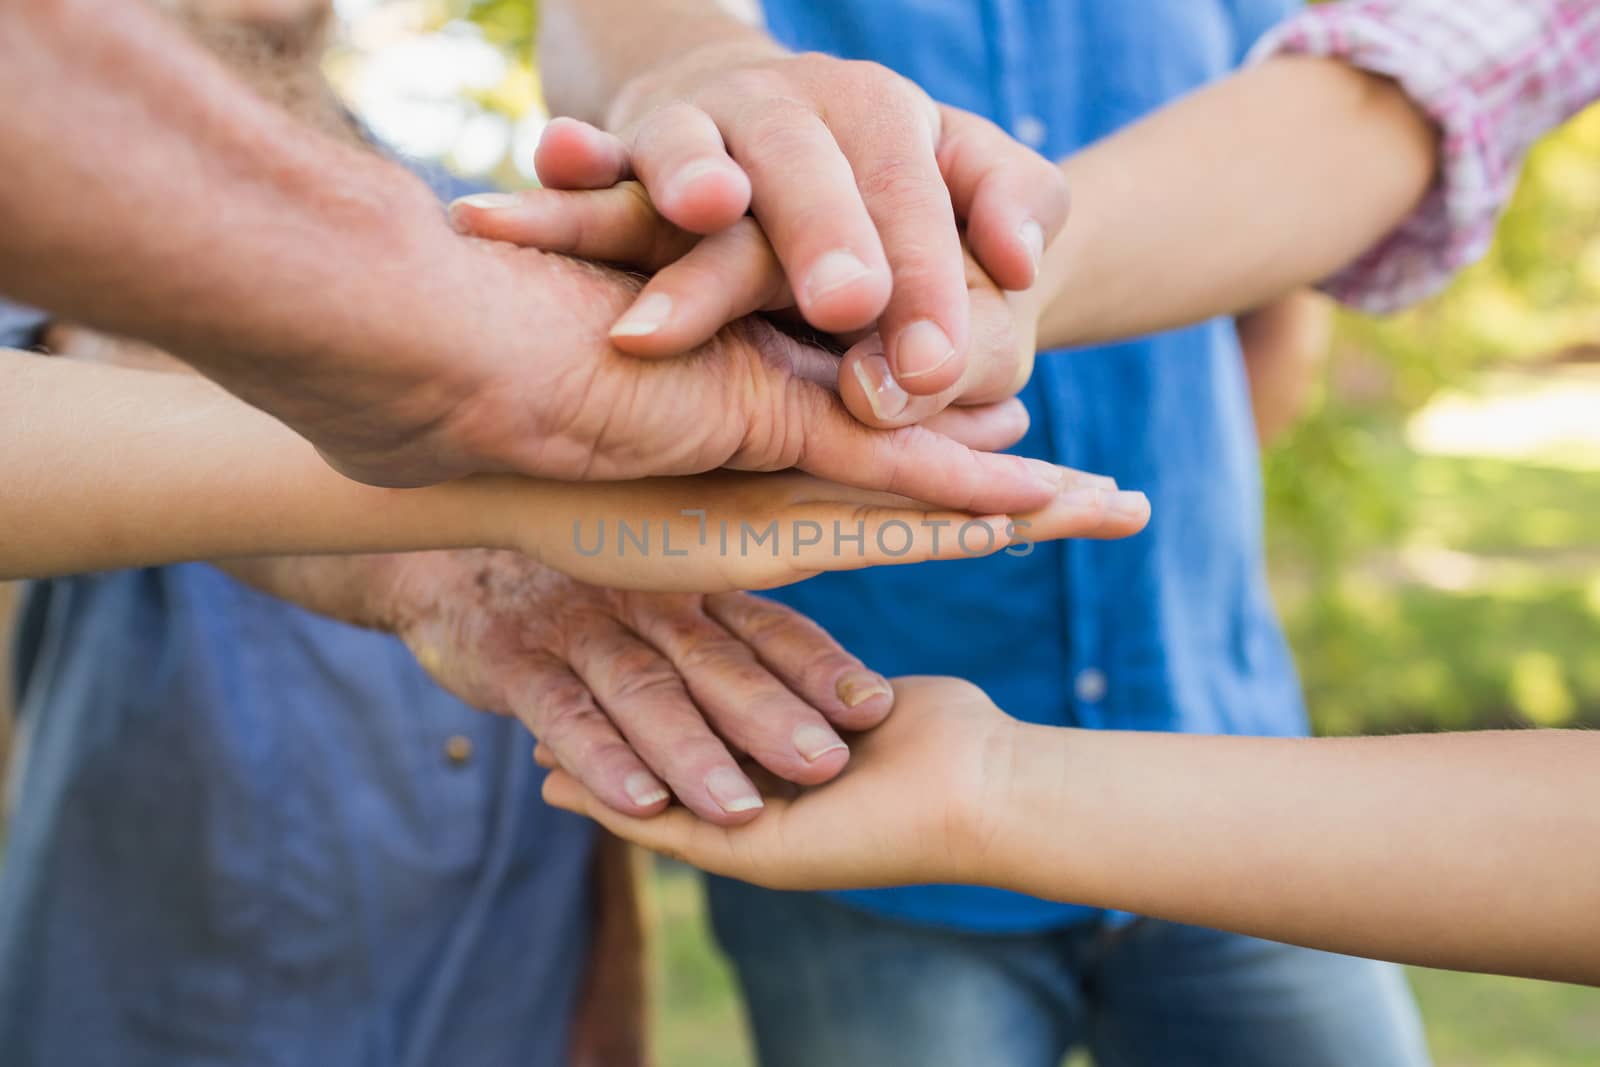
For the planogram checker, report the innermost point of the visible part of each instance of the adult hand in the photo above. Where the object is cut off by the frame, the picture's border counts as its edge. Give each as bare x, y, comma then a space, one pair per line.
700, 284
856, 175
753, 399
639, 694
910, 809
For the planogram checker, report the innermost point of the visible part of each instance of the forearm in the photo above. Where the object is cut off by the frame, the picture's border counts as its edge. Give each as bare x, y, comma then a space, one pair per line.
1469, 851
149, 193
1274, 178
1283, 344
105, 467
590, 50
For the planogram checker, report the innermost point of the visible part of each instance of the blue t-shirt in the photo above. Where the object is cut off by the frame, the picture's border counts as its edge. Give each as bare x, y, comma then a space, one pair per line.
237, 835
1170, 630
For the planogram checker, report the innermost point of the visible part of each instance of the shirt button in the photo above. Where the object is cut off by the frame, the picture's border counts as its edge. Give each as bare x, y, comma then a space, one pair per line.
458, 750
1031, 131
1090, 685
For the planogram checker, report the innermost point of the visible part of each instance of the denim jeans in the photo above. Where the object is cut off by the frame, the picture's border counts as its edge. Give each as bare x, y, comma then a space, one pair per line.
827, 985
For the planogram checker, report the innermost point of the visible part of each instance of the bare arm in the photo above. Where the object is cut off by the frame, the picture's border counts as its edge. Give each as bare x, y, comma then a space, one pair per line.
1284, 343
590, 50
147, 192
109, 467
1272, 179
1470, 851
150, 193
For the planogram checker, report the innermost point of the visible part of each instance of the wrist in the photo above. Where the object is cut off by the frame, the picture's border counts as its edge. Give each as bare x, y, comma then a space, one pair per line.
722, 43
1030, 812
991, 816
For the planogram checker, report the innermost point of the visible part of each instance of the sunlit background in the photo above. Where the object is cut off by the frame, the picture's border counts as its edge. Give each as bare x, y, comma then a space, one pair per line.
1434, 520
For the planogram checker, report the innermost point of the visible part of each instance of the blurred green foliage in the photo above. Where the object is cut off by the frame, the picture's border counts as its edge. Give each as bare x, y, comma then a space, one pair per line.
1509, 639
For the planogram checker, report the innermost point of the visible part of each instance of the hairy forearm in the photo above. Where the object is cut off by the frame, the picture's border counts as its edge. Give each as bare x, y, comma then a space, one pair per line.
149, 193
590, 50
1468, 851
1272, 179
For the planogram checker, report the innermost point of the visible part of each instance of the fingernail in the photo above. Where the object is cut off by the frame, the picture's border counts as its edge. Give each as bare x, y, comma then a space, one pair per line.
1099, 481
922, 348
482, 201
487, 201
1086, 498
1053, 476
645, 317
1128, 505
833, 270
688, 175
883, 392
814, 742
858, 687
643, 789
732, 791
1031, 234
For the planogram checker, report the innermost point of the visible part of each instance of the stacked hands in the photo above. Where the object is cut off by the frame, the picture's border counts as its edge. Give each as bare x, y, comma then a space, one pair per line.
841, 203
604, 505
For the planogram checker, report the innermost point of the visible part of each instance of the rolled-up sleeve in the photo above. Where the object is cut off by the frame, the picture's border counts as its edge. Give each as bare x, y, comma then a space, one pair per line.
1493, 75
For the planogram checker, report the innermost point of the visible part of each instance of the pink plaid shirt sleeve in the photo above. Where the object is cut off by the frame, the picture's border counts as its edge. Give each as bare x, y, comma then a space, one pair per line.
1494, 75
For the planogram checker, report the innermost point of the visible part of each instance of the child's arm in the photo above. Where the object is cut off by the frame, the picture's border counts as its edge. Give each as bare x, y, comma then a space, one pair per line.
1379, 170
1272, 179
107, 467
1470, 851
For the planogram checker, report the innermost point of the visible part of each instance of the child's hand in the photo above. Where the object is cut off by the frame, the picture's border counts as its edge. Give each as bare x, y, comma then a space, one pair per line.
702, 283
725, 530
913, 806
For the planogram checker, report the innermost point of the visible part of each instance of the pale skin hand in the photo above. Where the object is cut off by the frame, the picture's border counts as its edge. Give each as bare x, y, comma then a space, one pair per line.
858, 178
176, 469
1296, 202
1418, 849
707, 282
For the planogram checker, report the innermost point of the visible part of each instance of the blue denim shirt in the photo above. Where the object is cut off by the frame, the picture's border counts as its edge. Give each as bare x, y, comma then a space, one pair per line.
237, 834
1170, 630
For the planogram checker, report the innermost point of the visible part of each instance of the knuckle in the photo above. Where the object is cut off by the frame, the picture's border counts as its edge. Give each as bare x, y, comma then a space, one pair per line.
570, 726
722, 657
649, 679
751, 84
780, 128
905, 180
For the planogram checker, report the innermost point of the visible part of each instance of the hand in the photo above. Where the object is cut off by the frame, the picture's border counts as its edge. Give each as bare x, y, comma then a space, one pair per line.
638, 694
752, 399
725, 531
858, 178
700, 284
915, 806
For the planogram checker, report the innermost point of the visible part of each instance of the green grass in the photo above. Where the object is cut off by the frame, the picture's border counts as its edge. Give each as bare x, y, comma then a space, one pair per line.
1464, 592
1473, 1020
